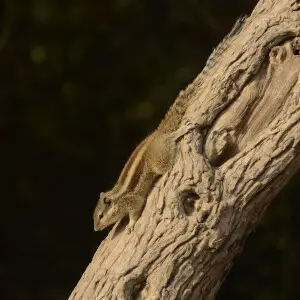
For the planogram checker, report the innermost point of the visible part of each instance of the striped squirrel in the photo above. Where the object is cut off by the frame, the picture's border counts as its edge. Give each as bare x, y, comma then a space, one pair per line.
153, 157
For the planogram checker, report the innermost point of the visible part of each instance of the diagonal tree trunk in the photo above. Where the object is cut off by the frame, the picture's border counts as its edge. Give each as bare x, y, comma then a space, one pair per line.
245, 147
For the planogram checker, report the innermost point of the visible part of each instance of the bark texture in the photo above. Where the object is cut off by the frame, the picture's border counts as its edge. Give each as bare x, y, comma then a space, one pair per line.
244, 148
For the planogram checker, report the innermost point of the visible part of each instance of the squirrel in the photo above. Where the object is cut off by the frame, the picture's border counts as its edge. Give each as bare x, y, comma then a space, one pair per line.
152, 158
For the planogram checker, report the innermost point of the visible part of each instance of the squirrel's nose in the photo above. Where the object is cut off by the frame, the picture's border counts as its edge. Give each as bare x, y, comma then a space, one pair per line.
97, 226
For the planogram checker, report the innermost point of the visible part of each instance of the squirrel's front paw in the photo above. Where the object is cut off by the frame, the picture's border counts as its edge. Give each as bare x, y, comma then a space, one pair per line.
128, 229
130, 226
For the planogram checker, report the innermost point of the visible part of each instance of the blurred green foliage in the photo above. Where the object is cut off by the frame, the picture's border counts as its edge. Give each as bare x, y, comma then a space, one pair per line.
82, 82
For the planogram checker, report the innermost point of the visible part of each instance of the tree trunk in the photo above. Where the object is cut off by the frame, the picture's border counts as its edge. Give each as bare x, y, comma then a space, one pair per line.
245, 147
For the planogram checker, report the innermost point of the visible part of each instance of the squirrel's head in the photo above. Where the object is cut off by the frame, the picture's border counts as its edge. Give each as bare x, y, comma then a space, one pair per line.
106, 212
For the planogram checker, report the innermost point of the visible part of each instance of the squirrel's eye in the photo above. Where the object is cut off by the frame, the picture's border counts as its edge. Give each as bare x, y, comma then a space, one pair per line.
106, 201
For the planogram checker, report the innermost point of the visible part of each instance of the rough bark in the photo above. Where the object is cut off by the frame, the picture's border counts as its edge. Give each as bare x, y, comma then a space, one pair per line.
246, 105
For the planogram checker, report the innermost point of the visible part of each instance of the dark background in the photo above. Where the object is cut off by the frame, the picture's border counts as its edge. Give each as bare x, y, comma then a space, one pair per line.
81, 83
